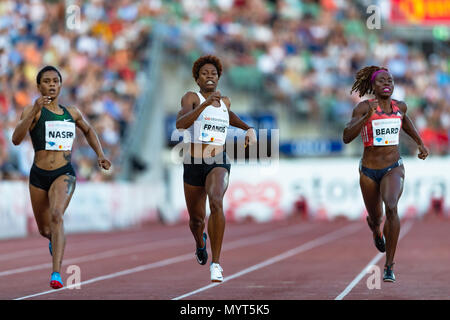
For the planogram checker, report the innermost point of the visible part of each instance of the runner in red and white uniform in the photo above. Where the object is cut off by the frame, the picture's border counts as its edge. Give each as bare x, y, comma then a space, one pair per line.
379, 121
383, 128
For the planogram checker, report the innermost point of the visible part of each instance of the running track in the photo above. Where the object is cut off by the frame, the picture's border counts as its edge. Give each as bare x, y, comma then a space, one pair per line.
285, 260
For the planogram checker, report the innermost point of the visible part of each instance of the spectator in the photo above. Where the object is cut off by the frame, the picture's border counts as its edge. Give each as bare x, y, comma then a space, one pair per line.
306, 53
300, 53
98, 66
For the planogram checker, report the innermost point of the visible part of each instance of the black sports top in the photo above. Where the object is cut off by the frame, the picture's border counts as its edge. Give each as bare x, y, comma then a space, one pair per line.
53, 131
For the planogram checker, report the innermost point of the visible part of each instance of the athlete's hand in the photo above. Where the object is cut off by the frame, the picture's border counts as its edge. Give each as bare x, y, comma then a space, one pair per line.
213, 97
250, 137
42, 101
104, 163
372, 108
423, 152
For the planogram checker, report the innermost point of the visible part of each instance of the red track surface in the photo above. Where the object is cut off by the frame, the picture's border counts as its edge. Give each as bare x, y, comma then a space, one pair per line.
277, 261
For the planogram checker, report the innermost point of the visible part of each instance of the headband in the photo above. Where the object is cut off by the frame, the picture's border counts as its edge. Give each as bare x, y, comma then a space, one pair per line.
375, 74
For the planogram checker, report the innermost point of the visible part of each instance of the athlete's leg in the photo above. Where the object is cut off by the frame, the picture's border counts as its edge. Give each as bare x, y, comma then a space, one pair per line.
196, 202
372, 199
391, 190
41, 210
216, 184
59, 195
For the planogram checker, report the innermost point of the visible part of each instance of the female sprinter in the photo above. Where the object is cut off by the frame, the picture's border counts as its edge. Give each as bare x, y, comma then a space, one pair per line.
381, 168
207, 115
52, 178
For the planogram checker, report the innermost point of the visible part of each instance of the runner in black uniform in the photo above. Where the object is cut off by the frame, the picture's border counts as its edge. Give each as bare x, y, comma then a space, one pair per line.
52, 178
206, 115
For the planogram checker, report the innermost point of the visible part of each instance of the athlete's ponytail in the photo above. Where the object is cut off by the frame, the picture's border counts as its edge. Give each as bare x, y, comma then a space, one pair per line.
364, 79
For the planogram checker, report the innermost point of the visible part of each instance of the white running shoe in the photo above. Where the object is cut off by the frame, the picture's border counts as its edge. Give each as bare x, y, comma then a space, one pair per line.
216, 272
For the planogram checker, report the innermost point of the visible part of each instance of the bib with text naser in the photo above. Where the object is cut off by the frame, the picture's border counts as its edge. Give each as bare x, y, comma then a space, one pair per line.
213, 130
386, 132
59, 135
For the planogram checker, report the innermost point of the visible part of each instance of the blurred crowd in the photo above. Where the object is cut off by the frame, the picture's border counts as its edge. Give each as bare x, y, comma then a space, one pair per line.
302, 53
305, 53
97, 46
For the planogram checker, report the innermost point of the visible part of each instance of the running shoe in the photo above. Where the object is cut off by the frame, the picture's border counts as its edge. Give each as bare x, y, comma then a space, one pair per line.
378, 239
56, 281
50, 248
380, 242
389, 275
201, 254
216, 272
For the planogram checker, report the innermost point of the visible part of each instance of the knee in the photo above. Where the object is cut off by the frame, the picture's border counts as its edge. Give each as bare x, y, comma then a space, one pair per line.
57, 217
196, 222
216, 204
45, 232
391, 209
376, 221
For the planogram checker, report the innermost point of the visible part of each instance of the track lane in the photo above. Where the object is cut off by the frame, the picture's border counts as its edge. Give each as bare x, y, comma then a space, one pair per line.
322, 272
173, 254
421, 266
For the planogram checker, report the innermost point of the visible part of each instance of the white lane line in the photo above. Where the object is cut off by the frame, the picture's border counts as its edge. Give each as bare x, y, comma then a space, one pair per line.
105, 240
128, 250
157, 264
21, 254
99, 255
265, 237
372, 262
93, 244
290, 253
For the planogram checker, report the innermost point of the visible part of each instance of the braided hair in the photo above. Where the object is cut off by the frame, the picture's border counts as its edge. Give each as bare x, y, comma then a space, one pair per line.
363, 82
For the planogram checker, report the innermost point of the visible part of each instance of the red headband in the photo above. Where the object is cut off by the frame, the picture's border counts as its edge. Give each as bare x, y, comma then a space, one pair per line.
375, 74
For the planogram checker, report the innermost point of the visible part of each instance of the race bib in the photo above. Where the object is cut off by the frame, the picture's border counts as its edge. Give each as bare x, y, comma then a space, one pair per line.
213, 130
59, 135
386, 132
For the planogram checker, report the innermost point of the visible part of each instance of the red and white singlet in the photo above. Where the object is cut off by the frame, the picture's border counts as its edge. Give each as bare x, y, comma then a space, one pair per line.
383, 129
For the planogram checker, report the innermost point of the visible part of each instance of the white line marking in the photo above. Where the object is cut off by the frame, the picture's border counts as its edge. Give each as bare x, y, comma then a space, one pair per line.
279, 233
20, 254
97, 256
93, 244
290, 253
372, 262
128, 250
157, 264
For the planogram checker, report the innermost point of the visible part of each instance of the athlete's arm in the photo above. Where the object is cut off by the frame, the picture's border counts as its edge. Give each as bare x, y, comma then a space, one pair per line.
27, 118
91, 137
361, 113
235, 121
411, 131
189, 113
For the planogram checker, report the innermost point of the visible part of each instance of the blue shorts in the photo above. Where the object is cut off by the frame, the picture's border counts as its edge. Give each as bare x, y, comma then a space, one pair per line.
378, 174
